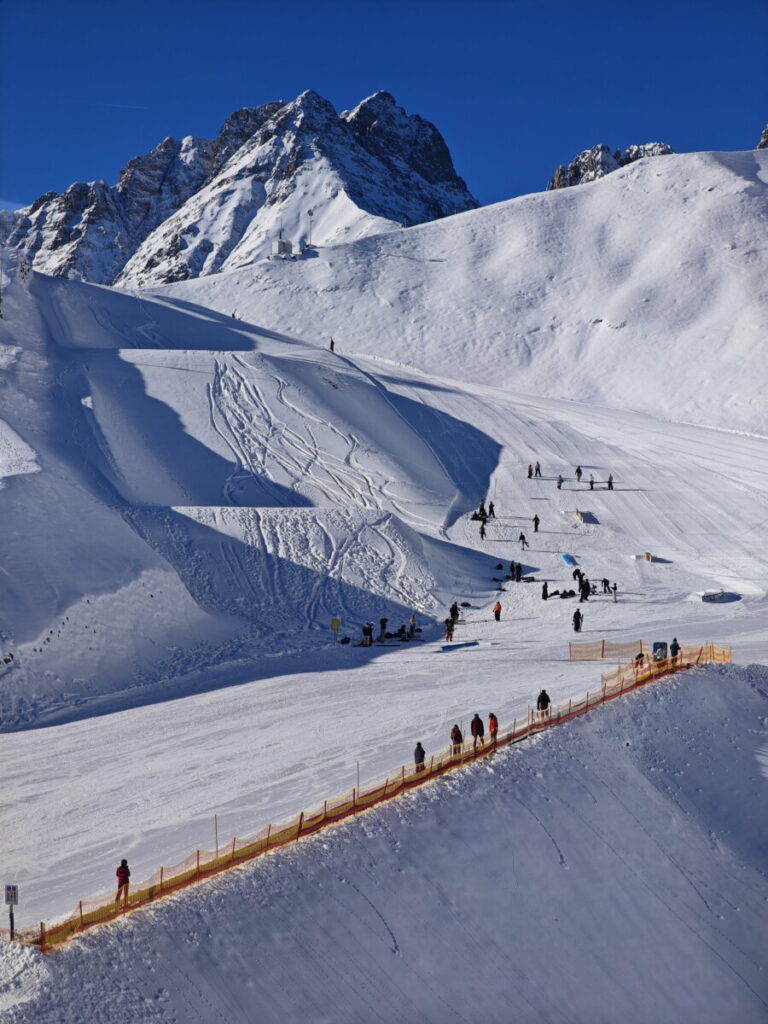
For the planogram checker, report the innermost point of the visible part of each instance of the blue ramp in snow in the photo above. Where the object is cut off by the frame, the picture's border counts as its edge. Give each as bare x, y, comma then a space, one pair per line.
569, 560
455, 647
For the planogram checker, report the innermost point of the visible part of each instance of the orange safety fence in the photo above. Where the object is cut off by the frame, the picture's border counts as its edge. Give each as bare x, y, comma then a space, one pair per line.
205, 863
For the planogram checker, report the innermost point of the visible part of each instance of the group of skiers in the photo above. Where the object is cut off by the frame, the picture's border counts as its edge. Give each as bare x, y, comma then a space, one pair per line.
483, 515
450, 622
535, 471
477, 731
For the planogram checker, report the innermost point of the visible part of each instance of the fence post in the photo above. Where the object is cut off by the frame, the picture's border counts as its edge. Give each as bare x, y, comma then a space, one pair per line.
42, 936
325, 809
602, 648
81, 913
269, 830
198, 864
161, 879
301, 822
234, 840
353, 799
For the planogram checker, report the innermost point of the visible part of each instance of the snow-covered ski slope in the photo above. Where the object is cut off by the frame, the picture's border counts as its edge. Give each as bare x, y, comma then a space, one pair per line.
647, 289
187, 499
610, 871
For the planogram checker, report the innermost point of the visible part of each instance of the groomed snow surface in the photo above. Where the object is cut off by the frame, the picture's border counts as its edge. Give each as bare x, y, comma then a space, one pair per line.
187, 499
614, 869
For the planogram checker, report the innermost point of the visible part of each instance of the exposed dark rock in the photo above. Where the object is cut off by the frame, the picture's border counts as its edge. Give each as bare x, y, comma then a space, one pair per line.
599, 161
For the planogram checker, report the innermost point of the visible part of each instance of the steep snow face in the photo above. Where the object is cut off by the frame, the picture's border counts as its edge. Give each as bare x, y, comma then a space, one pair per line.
645, 290
597, 162
199, 206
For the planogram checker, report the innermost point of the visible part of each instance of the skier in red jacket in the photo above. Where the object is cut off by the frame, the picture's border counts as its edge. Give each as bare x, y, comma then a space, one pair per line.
123, 875
493, 726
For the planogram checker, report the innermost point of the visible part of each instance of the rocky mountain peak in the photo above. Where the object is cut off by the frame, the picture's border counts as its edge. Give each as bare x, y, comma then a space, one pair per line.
763, 143
198, 206
386, 131
597, 162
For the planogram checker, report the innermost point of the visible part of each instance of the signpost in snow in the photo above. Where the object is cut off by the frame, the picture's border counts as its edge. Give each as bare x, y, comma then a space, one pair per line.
11, 899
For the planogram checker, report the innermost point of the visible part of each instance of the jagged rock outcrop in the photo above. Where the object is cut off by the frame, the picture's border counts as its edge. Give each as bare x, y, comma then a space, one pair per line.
599, 161
198, 206
763, 143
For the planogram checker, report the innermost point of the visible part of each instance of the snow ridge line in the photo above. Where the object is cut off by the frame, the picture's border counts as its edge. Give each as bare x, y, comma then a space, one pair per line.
204, 864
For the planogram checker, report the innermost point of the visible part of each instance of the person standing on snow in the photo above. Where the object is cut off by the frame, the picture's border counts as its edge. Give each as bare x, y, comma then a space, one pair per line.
523, 541
577, 474
537, 470
418, 757
367, 634
412, 626
454, 610
559, 482
591, 482
674, 649
482, 531
530, 472
578, 618
542, 704
535, 522
383, 627
478, 731
493, 726
497, 611
518, 572
610, 481
332, 345
491, 510
335, 627
545, 592
606, 587
512, 568
456, 740
614, 588
448, 629
123, 877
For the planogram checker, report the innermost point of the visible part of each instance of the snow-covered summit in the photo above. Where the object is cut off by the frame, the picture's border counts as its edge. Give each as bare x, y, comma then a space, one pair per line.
197, 206
597, 162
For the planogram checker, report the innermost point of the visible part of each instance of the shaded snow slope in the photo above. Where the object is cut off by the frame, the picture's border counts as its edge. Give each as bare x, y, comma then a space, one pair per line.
613, 869
645, 290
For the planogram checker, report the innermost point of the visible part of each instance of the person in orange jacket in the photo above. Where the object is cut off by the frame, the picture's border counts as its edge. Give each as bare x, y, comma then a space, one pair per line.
497, 611
493, 726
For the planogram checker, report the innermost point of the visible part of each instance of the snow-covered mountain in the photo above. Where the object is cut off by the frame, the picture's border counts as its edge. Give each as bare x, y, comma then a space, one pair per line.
597, 162
199, 206
646, 289
187, 498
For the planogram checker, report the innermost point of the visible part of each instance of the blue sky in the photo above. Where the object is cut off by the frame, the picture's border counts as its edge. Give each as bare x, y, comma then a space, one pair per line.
516, 87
